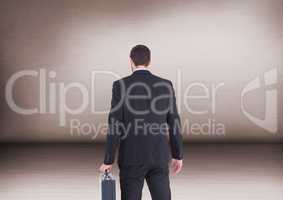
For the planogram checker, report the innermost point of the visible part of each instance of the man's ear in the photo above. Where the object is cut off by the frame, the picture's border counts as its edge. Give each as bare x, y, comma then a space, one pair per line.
148, 64
132, 64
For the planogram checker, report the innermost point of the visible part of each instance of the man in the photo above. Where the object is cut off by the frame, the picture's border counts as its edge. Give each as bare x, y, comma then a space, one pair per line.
143, 111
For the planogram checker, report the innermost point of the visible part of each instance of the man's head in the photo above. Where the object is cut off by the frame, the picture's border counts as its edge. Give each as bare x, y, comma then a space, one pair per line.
140, 55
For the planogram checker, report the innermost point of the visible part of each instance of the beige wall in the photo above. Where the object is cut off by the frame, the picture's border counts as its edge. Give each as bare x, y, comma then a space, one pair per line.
209, 42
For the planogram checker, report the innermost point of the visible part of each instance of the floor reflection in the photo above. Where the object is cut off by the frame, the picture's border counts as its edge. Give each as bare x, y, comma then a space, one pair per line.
70, 171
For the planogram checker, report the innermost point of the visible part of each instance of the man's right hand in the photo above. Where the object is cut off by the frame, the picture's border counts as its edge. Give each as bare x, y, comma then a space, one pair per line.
104, 168
176, 166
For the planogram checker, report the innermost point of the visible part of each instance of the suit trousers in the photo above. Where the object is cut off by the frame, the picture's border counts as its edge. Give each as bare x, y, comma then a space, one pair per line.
132, 180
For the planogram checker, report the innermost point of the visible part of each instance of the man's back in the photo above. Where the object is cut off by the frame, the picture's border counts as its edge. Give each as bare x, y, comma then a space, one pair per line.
144, 106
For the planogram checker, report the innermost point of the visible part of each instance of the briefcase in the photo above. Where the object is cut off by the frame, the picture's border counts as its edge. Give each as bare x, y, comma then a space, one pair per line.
108, 190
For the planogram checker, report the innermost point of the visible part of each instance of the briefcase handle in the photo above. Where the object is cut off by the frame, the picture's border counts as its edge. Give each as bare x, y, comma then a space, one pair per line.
107, 175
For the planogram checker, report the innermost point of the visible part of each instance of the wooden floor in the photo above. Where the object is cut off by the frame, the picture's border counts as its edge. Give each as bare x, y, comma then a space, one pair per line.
70, 172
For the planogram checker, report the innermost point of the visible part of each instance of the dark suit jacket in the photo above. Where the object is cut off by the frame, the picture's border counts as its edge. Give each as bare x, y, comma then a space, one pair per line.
143, 112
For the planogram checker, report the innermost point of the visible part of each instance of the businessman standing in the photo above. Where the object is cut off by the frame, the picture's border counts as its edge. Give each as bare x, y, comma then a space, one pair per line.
143, 112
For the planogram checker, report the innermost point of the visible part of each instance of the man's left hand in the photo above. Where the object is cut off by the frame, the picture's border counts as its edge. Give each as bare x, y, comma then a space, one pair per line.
176, 166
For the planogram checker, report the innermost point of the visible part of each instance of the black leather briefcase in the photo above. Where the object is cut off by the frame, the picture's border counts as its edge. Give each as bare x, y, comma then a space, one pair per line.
108, 190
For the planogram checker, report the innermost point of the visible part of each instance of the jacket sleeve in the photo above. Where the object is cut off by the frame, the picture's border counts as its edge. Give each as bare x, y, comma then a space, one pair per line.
174, 126
114, 122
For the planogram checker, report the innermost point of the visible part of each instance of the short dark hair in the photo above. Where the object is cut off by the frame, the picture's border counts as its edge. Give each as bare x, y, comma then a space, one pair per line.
140, 55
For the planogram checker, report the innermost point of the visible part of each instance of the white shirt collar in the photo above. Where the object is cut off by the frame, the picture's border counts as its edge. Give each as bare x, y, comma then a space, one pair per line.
140, 68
